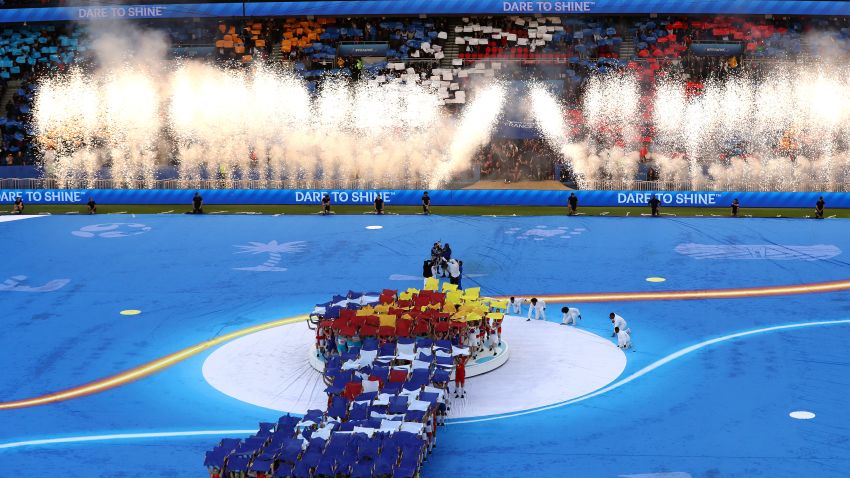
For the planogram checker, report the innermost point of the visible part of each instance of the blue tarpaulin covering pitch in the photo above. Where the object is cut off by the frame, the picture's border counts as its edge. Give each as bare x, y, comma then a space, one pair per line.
707, 391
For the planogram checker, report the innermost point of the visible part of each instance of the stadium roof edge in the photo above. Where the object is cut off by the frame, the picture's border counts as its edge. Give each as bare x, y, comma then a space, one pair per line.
428, 7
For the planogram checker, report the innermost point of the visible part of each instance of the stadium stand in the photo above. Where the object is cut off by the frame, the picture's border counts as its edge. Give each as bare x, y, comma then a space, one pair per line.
448, 53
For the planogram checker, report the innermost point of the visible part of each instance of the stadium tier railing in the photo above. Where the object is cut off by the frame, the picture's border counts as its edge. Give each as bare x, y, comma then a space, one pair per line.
405, 183
84, 183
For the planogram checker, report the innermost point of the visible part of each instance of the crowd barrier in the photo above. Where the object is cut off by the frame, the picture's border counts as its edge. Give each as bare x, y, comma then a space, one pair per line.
417, 7
472, 197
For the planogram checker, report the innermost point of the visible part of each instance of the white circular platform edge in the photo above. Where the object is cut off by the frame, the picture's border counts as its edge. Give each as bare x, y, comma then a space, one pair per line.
549, 363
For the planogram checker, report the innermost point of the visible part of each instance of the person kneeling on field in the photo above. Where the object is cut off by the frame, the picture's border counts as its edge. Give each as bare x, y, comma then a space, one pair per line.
537, 309
624, 340
515, 305
379, 205
18, 207
197, 204
654, 202
92, 206
326, 204
571, 316
620, 323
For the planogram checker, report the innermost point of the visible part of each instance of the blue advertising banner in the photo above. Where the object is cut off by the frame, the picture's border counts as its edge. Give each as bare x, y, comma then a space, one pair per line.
362, 49
548, 7
463, 197
120, 12
428, 7
716, 49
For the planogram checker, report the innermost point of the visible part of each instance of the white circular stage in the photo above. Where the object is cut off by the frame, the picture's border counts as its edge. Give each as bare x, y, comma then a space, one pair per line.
548, 363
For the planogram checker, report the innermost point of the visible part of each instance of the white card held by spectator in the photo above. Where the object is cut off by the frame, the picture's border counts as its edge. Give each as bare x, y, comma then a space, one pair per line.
443, 35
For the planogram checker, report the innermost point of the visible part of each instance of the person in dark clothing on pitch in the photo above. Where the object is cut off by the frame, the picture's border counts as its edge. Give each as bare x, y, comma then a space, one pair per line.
653, 205
197, 204
18, 207
326, 204
426, 203
427, 273
819, 208
735, 206
446, 255
573, 204
92, 206
379, 205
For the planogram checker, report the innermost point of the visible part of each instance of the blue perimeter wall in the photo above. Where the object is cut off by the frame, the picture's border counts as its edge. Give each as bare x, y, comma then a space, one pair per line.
470, 197
430, 7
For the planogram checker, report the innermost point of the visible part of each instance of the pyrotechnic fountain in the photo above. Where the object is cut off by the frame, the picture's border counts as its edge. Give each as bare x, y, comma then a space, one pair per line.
259, 124
785, 132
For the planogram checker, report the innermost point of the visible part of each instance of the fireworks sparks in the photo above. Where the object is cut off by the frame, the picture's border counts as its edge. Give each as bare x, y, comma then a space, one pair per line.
781, 132
260, 125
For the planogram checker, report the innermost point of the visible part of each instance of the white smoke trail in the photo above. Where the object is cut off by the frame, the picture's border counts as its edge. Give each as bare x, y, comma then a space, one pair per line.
472, 131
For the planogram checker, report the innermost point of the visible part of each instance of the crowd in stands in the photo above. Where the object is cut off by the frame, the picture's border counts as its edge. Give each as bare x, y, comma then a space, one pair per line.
760, 37
27, 51
242, 46
514, 160
536, 38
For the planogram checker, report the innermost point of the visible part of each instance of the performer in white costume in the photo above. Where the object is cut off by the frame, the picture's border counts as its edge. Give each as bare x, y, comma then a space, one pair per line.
619, 322
537, 309
571, 316
515, 306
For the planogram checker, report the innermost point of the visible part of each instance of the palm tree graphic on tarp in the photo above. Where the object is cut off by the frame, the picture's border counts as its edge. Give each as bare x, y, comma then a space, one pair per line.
274, 250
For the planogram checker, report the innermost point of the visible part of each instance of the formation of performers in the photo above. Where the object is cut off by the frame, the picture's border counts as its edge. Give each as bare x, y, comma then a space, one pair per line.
442, 264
